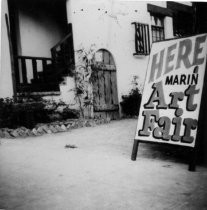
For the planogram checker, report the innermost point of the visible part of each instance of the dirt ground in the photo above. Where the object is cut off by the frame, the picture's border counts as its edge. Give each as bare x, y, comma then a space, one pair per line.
41, 174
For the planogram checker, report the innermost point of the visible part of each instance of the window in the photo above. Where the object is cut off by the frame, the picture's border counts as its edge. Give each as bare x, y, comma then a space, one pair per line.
183, 19
142, 43
182, 24
157, 27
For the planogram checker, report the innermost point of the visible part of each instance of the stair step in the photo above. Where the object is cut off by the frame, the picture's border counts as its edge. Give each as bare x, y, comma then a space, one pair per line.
45, 87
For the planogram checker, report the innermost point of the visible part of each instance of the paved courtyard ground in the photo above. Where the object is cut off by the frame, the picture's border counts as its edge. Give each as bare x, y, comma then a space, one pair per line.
41, 174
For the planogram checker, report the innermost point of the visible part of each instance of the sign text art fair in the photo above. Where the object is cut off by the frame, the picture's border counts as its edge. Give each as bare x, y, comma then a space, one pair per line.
172, 92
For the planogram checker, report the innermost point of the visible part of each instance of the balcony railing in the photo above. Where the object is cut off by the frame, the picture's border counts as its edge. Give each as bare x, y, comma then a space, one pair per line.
41, 74
30, 66
33, 73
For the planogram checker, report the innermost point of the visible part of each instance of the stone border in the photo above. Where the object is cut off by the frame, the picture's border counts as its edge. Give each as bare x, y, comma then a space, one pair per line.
48, 128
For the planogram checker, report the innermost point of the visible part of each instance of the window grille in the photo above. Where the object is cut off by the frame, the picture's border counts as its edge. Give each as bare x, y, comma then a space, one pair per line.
157, 27
157, 33
142, 41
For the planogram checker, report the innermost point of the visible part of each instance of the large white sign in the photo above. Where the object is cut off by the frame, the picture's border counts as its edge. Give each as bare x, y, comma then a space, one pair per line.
172, 91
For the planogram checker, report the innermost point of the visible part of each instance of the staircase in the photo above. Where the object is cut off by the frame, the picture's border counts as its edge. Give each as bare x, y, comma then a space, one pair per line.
48, 73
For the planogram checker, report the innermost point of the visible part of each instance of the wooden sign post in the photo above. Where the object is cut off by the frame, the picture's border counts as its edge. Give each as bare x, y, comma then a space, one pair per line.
171, 98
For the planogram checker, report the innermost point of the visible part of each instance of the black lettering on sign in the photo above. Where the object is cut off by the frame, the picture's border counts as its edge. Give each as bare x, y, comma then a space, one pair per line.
177, 122
162, 132
160, 127
183, 79
169, 80
184, 56
189, 124
156, 65
170, 58
190, 92
157, 96
150, 117
184, 51
198, 50
175, 97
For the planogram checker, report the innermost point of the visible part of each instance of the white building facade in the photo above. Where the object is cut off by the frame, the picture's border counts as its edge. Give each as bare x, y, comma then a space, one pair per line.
123, 29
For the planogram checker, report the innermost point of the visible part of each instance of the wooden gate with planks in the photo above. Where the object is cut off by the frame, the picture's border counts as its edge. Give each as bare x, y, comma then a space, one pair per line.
106, 104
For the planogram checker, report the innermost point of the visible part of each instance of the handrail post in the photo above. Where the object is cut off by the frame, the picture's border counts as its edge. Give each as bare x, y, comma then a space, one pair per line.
24, 70
34, 68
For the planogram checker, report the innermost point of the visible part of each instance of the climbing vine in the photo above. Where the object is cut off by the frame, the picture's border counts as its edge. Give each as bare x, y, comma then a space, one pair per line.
83, 80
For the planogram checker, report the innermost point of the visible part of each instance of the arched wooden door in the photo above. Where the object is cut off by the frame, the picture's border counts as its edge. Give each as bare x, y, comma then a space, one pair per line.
105, 94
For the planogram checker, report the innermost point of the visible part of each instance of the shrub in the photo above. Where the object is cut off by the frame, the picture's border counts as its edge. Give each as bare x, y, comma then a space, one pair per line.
28, 112
60, 110
130, 103
70, 113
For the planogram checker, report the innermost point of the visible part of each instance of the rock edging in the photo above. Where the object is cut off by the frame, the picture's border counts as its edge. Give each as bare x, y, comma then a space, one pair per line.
48, 128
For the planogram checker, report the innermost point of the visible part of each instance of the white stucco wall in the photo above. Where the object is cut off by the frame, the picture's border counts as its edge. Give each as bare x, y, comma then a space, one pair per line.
107, 24
101, 23
6, 88
39, 31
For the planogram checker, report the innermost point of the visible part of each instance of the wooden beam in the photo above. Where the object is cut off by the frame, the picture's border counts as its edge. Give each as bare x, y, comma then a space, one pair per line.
177, 7
12, 59
159, 10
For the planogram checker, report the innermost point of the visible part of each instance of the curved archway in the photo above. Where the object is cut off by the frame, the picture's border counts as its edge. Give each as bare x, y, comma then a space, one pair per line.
104, 56
105, 85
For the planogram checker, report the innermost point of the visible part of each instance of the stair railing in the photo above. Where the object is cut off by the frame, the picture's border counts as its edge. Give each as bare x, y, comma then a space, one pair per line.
63, 53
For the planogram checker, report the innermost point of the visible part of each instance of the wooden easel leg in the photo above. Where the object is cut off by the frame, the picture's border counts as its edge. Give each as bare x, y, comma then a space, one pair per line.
192, 163
134, 150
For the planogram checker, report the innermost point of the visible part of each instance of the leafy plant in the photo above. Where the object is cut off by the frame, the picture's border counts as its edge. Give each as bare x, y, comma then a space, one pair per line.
25, 114
28, 112
83, 81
